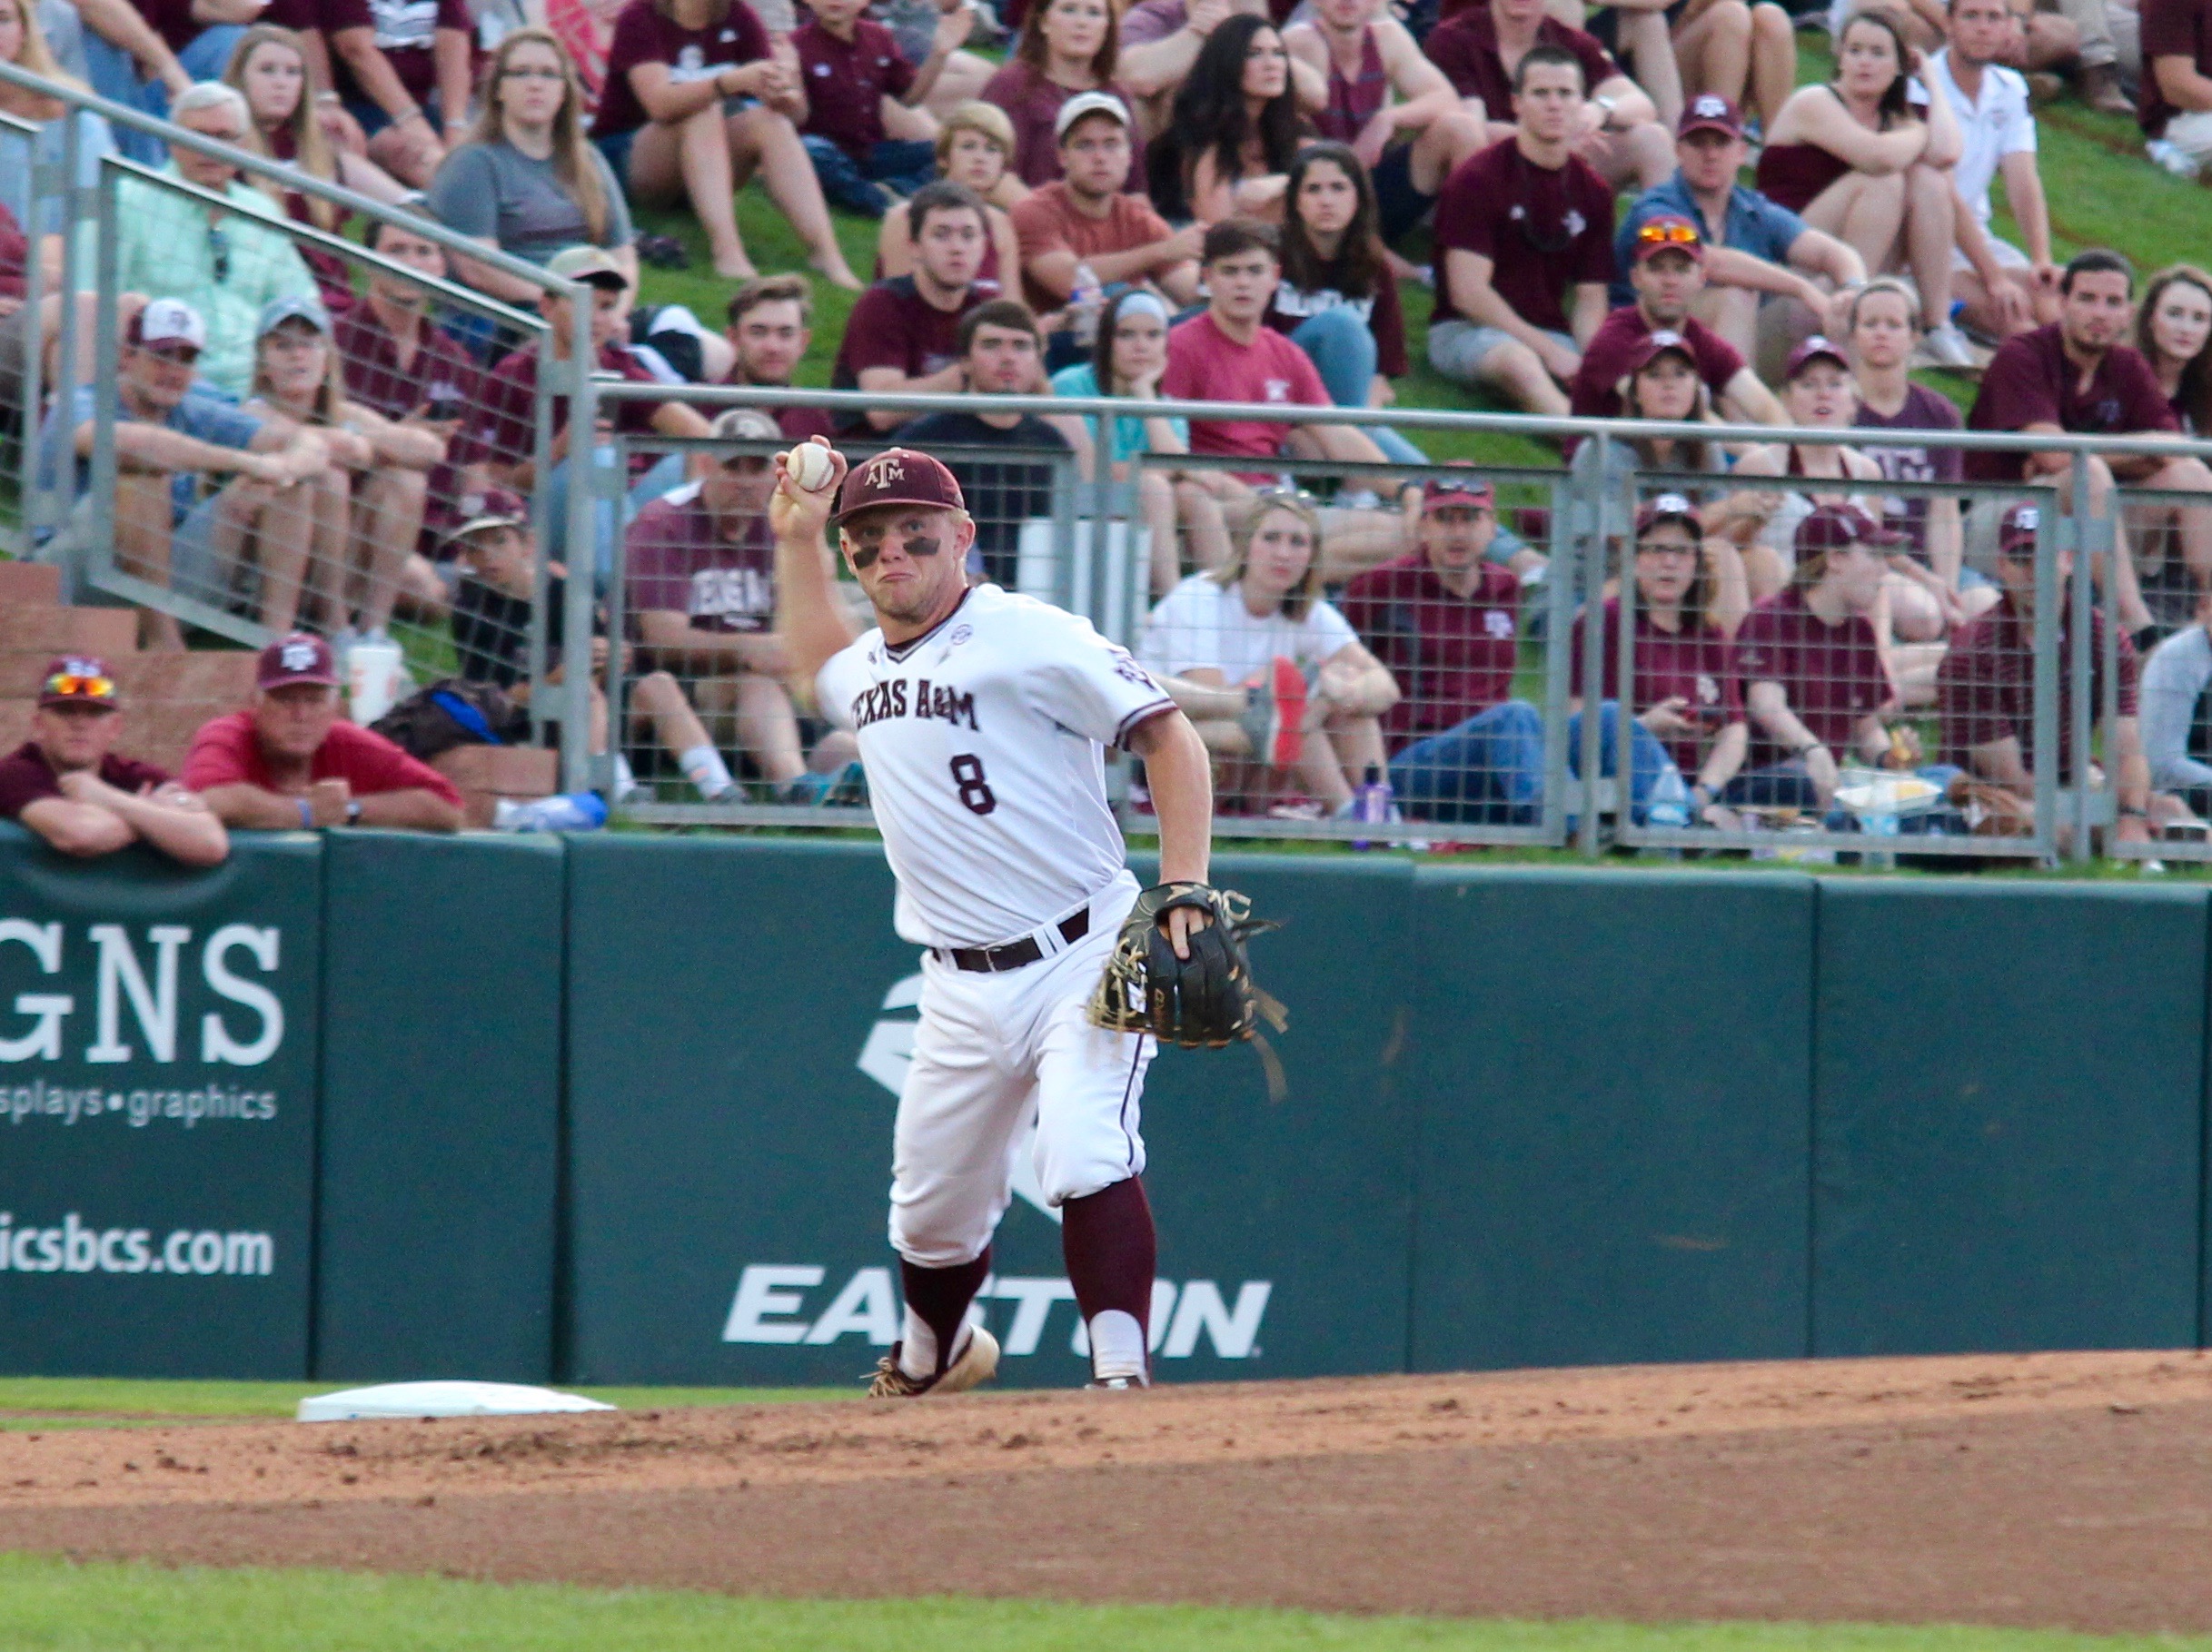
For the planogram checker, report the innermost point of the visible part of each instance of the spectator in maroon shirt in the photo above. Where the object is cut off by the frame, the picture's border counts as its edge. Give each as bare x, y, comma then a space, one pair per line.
1687, 697
770, 327
2078, 375
1668, 274
700, 583
67, 784
402, 70
695, 105
290, 761
904, 334
1985, 690
974, 146
1067, 47
505, 437
2174, 103
1519, 226
1812, 669
1616, 131
865, 131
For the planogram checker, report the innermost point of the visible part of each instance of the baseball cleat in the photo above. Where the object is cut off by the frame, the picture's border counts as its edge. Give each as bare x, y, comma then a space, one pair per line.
1118, 1385
1275, 714
978, 1362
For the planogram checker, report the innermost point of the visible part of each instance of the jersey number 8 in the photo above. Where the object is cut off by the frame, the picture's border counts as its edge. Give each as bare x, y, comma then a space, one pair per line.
975, 790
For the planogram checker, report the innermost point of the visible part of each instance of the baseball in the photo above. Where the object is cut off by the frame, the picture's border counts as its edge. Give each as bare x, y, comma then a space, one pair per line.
810, 466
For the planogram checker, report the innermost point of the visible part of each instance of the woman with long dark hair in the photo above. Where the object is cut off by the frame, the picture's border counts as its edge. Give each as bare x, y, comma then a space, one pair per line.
2173, 328
1858, 160
1235, 131
1337, 300
1067, 47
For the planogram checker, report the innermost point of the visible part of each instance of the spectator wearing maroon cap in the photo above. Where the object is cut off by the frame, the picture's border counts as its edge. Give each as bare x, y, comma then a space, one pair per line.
1616, 132
1985, 688
1812, 669
2077, 374
904, 334
699, 584
1687, 697
290, 761
1522, 228
1667, 271
505, 437
67, 784
1755, 249
864, 129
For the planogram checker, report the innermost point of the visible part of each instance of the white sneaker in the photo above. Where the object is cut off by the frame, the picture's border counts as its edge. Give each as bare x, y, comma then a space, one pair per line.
1945, 346
2171, 156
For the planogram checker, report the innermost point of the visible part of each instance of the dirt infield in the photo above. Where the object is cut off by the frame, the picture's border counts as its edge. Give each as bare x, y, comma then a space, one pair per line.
2059, 1489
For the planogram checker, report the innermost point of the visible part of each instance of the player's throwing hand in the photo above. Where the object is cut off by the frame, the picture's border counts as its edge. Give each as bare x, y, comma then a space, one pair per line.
803, 512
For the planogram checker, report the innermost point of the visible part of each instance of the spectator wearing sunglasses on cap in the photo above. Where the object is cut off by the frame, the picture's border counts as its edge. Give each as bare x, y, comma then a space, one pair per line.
67, 784
700, 587
290, 762
1667, 273
228, 264
170, 434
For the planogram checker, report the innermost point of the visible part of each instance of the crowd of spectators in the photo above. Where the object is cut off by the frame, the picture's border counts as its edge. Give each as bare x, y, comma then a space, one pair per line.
1633, 212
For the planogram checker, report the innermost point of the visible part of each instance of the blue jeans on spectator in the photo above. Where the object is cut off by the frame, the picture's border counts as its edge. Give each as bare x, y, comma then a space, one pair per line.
115, 76
1343, 349
607, 519
208, 54
901, 164
1489, 770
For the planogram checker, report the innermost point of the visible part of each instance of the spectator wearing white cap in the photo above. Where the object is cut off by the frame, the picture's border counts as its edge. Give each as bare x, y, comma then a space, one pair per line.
368, 504
1087, 220
169, 433
228, 264
700, 583
291, 763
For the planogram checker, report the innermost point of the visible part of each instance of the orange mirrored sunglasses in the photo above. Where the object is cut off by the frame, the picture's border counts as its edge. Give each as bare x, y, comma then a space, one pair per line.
1668, 235
70, 686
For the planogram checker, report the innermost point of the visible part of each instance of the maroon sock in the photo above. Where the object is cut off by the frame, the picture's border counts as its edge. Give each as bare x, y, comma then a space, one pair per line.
940, 1296
1107, 1239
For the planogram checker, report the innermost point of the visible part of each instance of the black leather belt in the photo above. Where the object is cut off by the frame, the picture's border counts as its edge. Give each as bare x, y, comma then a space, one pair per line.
1013, 954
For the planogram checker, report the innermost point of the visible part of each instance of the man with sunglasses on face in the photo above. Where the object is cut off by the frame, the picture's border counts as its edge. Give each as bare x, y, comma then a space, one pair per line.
67, 784
226, 264
700, 589
1667, 273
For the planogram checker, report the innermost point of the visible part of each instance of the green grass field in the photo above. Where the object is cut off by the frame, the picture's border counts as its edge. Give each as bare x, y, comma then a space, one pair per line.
70, 1608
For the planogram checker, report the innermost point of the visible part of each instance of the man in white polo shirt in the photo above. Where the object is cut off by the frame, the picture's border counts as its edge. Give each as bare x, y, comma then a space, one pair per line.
2006, 291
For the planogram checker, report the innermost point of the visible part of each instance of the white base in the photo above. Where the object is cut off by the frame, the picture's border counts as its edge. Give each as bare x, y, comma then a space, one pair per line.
441, 1400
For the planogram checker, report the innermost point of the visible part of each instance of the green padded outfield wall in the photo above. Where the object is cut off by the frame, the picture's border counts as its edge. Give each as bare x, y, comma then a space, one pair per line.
740, 1018
441, 1106
1614, 1089
2010, 1102
157, 1070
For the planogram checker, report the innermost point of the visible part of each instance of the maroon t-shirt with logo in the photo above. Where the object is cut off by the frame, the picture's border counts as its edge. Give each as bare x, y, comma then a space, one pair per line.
893, 325
1453, 655
847, 81
2171, 28
642, 34
1832, 674
679, 564
1606, 358
440, 371
406, 30
1692, 666
1466, 47
2031, 381
25, 776
1986, 686
1913, 462
1542, 229
505, 428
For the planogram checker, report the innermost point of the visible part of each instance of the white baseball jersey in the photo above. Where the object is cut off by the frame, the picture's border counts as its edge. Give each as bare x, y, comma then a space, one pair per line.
984, 740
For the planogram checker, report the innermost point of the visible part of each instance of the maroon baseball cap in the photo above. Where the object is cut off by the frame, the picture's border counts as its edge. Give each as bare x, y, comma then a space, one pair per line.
1815, 349
78, 679
1667, 233
1657, 343
898, 476
296, 658
1710, 111
1839, 527
2017, 528
1668, 508
1469, 491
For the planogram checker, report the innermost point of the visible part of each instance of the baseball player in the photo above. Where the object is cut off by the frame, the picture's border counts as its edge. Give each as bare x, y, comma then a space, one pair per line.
983, 718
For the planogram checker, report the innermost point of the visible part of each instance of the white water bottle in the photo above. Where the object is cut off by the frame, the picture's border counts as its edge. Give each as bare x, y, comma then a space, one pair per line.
373, 674
1084, 303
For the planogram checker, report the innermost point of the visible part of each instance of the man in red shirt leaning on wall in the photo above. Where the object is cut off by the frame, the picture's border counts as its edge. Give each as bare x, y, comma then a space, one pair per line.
290, 760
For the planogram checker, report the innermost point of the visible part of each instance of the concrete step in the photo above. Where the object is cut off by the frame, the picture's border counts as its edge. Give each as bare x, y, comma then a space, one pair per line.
30, 582
160, 734
43, 628
222, 677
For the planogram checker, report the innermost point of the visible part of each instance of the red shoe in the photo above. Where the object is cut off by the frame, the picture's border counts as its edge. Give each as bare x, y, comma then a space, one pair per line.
1275, 714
